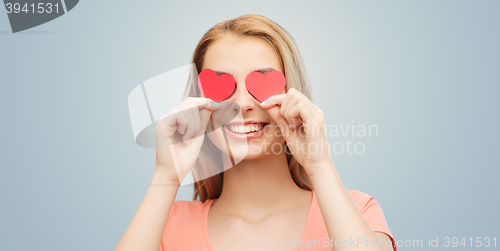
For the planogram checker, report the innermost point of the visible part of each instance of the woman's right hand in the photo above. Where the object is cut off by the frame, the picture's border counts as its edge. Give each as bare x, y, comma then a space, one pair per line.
179, 137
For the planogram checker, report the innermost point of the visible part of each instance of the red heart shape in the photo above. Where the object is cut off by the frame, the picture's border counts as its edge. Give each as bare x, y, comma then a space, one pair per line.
215, 87
262, 87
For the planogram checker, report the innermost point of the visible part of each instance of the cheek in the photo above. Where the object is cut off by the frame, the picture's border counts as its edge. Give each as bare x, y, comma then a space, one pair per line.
273, 134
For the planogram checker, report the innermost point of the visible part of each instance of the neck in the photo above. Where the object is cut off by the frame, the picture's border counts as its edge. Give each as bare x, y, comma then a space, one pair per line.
264, 184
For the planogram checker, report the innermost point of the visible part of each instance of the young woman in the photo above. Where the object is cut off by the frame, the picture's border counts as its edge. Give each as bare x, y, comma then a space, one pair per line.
285, 193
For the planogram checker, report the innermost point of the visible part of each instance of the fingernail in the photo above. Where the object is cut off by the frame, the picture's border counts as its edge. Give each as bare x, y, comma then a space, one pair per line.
188, 141
291, 126
263, 102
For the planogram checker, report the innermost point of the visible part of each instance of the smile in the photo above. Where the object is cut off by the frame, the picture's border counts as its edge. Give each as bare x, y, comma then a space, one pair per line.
241, 129
247, 130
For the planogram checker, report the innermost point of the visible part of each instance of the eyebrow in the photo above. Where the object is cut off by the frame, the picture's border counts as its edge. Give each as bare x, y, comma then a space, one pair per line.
263, 71
220, 73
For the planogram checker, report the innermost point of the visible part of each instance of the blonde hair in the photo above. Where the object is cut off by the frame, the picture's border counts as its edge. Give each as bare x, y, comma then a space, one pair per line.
296, 77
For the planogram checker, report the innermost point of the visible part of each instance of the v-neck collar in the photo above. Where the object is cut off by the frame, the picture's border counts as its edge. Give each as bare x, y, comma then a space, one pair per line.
307, 227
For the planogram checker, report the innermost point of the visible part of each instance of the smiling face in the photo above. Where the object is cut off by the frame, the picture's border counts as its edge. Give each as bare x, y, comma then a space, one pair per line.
252, 134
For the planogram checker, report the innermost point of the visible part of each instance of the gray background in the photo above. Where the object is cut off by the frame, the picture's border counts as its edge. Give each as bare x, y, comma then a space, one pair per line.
425, 72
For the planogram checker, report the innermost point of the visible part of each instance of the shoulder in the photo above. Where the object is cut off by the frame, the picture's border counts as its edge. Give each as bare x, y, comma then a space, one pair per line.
369, 208
189, 205
371, 211
361, 199
185, 217
186, 214
193, 210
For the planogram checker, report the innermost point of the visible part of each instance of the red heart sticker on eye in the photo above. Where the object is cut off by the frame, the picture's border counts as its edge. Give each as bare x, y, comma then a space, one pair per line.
262, 87
215, 87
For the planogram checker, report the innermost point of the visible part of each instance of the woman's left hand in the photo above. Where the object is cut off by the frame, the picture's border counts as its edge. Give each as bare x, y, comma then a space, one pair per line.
302, 125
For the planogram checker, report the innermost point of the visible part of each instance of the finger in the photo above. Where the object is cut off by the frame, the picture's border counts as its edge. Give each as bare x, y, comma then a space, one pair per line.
293, 115
308, 111
202, 103
160, 132
272, 101
209, 105
181, 122
196, 123
171, 123
190, 129
291, 101
204, 118
280, 121
290, 95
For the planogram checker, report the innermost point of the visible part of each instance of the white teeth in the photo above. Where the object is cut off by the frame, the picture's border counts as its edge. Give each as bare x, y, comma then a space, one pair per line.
245, 129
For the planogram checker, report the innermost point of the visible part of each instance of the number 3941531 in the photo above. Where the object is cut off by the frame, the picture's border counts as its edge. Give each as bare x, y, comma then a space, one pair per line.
32, 8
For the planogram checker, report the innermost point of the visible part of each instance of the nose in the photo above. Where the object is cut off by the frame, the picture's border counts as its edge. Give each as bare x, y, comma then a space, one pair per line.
243, 98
